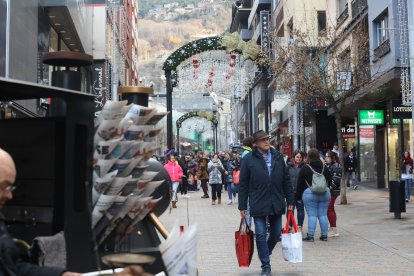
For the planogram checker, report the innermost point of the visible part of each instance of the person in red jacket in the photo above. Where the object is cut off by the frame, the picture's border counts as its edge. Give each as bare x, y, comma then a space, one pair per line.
175, 172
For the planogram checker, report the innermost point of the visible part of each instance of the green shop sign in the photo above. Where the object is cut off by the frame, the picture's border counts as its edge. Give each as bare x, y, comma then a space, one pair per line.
209, 147
371, 117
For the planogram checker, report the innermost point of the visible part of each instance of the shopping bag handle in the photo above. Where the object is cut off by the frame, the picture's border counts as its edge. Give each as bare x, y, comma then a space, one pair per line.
243, 219
290, 217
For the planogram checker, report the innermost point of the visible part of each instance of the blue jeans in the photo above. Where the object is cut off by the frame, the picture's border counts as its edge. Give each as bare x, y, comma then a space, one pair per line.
408, 184
230, 191
174, 191
317, 208
265, 245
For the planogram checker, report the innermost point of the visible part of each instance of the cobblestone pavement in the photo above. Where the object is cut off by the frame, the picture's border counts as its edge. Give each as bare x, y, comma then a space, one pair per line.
371, 241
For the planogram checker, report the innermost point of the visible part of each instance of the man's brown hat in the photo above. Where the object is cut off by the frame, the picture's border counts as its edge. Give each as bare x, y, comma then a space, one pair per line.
259, 135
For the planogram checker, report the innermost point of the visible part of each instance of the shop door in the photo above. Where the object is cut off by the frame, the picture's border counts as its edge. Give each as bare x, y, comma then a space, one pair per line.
381, 158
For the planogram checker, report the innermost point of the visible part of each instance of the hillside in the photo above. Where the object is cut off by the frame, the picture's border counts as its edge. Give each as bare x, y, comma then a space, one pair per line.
161, 31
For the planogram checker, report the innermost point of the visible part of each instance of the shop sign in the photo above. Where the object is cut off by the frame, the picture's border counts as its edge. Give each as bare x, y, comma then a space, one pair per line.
348, 132
400, 111
98, 84
366, 135
264, 20
371, 117
209, 147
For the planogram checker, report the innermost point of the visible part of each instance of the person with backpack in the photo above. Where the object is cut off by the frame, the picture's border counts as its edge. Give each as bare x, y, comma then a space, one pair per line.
314, 181
335, 169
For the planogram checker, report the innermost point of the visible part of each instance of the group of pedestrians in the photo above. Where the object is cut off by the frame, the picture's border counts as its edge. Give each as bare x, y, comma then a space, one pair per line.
269, 187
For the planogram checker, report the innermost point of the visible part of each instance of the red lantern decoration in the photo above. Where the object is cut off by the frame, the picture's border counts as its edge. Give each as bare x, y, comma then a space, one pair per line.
233, 56
231, 63
195, 61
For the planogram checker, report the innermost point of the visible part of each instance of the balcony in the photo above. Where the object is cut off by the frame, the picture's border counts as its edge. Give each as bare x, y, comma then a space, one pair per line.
358, 7
246, 34
382, 50
343, 16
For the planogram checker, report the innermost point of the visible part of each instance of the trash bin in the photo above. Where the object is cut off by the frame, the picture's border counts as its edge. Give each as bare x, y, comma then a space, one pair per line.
397, 198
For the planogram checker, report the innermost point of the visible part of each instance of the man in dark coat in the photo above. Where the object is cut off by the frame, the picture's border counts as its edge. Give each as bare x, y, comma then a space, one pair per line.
265, 183
11, 264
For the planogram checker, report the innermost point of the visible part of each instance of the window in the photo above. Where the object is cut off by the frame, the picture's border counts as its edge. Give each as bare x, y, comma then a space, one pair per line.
381, 28
322, 23
342, 5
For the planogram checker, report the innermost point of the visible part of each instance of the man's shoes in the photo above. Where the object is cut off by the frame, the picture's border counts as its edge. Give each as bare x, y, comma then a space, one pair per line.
265, 272
323, 238
205, 196
355, 187
174, 204
308, 239
230, 202
219, 201
213, 202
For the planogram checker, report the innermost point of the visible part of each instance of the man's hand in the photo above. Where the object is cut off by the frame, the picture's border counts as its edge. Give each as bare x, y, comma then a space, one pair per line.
68, 273
243, 213
132, 270
290, 207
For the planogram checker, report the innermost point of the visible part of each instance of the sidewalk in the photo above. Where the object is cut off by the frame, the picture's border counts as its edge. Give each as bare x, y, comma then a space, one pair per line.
371, 241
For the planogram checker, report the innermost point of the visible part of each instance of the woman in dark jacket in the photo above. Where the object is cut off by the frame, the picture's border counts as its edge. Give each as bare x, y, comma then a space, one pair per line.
294, 169
334, 168
316, 204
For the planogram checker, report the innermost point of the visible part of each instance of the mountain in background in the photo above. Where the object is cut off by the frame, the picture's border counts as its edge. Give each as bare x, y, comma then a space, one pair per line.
164, 26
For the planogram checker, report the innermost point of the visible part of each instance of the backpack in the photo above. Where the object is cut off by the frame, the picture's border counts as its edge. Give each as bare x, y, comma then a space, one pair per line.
319, 185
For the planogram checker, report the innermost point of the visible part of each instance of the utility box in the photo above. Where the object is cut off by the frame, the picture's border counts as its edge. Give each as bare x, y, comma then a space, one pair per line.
397, 198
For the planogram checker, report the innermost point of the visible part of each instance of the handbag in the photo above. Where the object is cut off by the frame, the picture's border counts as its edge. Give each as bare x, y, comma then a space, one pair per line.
244, 241
291, 242
236, 177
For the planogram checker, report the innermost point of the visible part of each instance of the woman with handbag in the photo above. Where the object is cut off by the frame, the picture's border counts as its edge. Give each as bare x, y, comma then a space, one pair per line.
316, 202
294, 168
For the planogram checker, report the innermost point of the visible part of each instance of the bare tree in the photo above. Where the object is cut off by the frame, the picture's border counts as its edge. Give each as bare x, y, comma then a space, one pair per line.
328, 67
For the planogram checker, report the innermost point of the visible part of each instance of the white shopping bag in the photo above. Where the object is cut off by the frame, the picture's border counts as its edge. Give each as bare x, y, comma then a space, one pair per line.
292, 242
292, 247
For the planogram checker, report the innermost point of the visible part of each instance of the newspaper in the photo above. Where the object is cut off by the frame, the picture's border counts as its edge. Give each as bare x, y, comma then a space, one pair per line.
134, 132
130, 186
120, 166
120, 149
110, 213
179, 251
146, 208
107, 129
117, 185
101, 184
133, 150
138, 171
104, 148
101, 206
138, 114
103, 166
146, 187
112, 110
156, 118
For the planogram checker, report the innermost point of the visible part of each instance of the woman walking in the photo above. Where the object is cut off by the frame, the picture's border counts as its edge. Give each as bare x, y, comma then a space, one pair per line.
229, 179
215, 170
294, 168
175, 172
407, 170
334, 168
316, 204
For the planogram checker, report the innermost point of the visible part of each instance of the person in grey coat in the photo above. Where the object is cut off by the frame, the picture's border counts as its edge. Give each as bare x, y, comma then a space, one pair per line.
265, 183
215, 171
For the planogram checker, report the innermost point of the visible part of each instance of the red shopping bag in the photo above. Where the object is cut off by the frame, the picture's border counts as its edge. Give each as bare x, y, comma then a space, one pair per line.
236, 177
244, 239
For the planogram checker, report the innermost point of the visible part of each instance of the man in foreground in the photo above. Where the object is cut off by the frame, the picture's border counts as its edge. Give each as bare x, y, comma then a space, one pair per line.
265, 182
10, 262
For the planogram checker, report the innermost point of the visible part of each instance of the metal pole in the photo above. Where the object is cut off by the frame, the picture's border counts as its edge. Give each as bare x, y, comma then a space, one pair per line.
169, 90
410, 14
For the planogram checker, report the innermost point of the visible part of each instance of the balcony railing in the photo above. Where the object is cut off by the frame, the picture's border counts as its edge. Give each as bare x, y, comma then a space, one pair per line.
344, 15
357, 7
382, 50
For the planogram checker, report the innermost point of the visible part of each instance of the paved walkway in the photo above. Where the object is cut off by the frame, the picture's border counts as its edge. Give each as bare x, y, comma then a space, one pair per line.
371, 241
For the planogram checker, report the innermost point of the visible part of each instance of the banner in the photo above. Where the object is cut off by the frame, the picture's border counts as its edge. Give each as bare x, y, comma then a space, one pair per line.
98, 83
